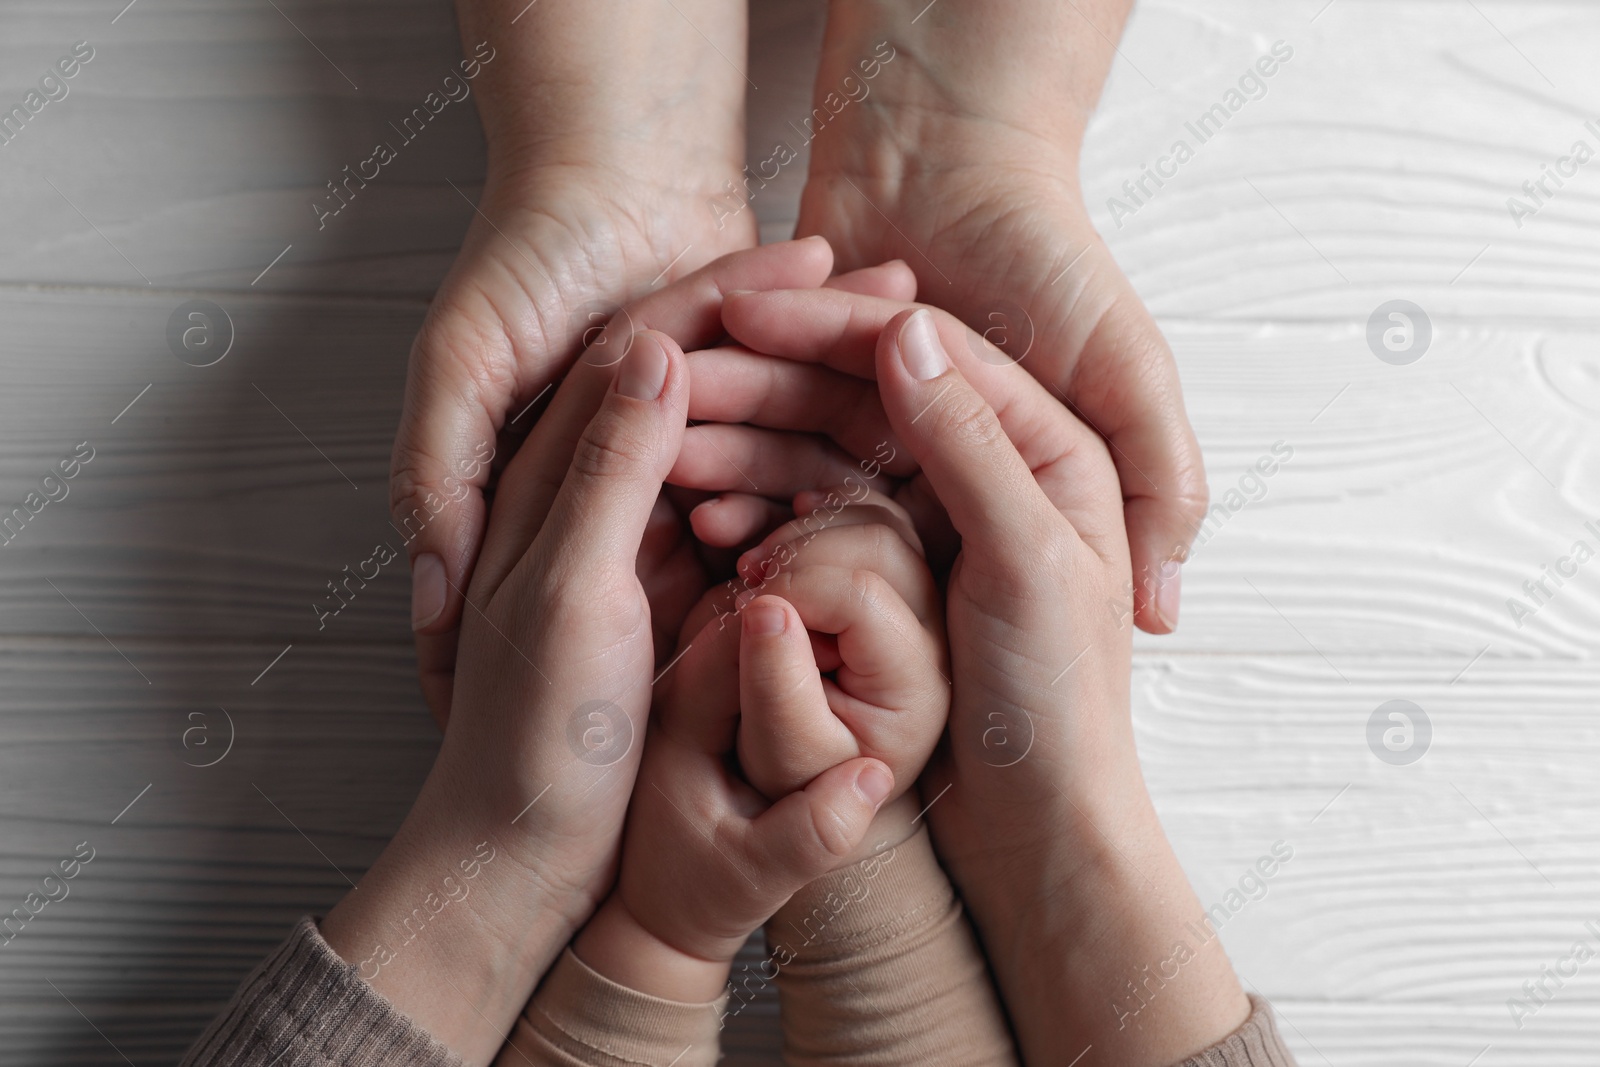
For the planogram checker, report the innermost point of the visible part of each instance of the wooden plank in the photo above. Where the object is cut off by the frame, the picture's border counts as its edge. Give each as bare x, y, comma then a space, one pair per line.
237, 484
1382, 156
1400, 186
197, 870
1376, 563
1401, 889
199, 135
1376, 532
1416, 503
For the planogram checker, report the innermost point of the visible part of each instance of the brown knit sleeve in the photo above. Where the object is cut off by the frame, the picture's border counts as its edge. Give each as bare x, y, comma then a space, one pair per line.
304, 1006
580, 1018
1255, 1044
877, 964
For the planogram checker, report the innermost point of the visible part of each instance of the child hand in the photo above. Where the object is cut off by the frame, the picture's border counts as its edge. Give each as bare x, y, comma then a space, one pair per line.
703, 866
1047, 806
849, 570
705, 858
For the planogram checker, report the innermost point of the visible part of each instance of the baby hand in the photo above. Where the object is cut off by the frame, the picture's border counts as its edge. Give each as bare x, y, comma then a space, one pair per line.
849, 570
705, 858
705, 861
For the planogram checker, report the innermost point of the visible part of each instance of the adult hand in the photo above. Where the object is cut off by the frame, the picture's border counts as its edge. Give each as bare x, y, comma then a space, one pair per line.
1038, 807
964, 163
611, 132
1040, 659
557, 657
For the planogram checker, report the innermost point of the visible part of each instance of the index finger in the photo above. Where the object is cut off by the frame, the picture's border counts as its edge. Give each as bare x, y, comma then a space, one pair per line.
689, 311
843, 330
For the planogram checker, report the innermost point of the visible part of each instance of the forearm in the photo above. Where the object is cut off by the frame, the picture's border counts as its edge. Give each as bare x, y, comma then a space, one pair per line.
609, 82
581, 1017
451, 926
618, 947
1097, 938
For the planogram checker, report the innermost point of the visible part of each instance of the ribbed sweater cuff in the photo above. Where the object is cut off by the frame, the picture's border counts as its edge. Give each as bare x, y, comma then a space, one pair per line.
877, 964
1255, 1044
304, 1006
579, 1016
876, 900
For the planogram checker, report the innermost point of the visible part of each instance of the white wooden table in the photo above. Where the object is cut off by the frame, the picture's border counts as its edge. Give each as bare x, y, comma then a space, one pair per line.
1375, 564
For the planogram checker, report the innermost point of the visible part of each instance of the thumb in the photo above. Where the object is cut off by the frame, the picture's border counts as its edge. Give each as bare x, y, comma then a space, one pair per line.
785, 723
599, 515
812, 832
441, 460
992, 497
1158, 458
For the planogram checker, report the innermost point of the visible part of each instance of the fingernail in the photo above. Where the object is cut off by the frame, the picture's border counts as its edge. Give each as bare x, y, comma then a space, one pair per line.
920, 349
738, 292
644, 369
875, 782
764, 620
1169, 588
427, 590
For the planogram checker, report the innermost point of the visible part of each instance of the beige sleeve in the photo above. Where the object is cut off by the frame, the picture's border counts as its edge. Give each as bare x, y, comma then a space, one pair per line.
579, 1018
877, 964
1255, 1044
304, 1006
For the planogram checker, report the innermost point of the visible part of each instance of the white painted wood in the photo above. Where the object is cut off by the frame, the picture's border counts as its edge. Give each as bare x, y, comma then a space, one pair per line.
1376, 566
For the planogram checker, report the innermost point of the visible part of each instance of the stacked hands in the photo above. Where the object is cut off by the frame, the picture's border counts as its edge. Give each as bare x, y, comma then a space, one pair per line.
822, 769
844, 571
850, 587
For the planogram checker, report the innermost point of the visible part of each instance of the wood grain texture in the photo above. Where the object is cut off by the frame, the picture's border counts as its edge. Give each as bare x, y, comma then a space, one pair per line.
1375, 563
1390, 142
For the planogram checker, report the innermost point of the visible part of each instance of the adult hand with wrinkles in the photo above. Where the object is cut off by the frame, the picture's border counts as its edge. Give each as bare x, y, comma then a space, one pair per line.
611, 132
964, 163
585, 563
609, 127
1038, 806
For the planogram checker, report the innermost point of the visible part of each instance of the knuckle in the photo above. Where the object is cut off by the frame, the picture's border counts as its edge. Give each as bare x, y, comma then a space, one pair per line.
870, 586
884, 543
407, 485
780, 581
609, 448
969, 425
415, 498
785, 684
831, 833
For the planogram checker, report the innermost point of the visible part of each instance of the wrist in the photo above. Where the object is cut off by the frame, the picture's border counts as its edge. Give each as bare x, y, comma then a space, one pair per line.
531, 163
617, 946
896, 823
897, 887
591, 200
1098, 912
1097, 809
610, 84
970, 71
907, 138
452, 928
